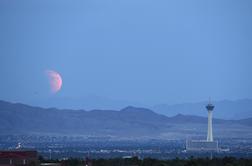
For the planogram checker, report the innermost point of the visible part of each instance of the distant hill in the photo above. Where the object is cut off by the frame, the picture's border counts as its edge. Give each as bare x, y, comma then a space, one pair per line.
226, 109
130, 122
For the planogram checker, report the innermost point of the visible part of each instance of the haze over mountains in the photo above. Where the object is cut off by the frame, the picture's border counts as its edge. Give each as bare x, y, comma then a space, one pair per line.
225, 109
130, 122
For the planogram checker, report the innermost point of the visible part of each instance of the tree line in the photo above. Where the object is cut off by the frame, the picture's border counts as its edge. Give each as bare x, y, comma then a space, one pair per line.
226, 161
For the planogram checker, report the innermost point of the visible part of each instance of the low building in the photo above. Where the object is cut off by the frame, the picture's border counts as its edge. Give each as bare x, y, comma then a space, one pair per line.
202, 145
19, 157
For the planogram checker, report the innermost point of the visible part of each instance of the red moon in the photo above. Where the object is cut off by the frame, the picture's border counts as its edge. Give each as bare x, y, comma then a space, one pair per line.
55, 80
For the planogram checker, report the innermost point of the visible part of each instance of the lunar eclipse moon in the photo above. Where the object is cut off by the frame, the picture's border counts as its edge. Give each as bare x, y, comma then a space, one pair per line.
55, 80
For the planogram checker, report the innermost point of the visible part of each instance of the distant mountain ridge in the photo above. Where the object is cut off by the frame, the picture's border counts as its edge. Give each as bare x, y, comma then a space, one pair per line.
128, 122
225, 109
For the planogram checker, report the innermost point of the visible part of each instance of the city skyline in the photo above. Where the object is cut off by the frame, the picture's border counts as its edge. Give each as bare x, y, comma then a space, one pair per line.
125, 82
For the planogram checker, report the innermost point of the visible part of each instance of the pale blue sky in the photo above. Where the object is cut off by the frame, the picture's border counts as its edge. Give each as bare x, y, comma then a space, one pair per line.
147, 51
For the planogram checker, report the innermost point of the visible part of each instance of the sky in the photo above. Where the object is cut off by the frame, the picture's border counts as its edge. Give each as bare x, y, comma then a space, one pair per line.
132, 51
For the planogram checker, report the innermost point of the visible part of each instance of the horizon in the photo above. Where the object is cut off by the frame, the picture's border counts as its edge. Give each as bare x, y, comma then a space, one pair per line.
139, 106
241, 109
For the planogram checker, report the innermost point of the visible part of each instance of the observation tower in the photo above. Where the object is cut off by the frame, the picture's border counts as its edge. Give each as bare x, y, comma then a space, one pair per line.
210, 108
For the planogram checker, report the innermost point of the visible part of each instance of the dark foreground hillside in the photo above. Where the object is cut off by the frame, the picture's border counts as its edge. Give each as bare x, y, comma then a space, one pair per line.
226, 161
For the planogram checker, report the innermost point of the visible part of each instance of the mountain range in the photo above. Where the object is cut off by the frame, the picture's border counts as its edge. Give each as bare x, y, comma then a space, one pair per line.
224, 109
130, 122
